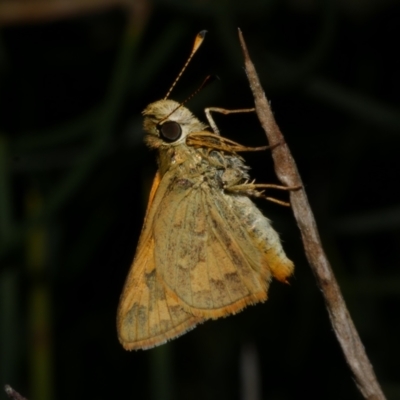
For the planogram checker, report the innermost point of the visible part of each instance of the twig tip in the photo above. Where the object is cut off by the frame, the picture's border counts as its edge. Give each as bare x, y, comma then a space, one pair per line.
243, 44
13, 394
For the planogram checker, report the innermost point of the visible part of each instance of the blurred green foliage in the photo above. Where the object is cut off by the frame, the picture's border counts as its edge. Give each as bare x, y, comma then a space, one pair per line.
75, 175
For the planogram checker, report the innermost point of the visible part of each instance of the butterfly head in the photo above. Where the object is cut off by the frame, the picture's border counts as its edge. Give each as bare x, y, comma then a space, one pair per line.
168, 123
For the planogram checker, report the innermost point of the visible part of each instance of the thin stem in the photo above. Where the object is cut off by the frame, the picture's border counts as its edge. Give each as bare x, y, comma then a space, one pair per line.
286, 170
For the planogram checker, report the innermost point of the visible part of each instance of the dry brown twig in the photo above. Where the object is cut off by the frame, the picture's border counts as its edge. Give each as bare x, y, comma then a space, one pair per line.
286, 170
13, 394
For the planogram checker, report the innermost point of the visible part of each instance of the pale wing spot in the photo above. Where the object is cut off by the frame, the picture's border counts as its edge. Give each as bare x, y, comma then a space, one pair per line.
201, 292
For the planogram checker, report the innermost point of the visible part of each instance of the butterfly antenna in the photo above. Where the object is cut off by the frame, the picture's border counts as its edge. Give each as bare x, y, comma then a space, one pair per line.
206, 82
209, 79
197, 43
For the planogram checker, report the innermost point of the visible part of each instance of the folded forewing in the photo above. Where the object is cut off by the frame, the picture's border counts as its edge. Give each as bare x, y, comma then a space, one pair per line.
148, 315
208, 257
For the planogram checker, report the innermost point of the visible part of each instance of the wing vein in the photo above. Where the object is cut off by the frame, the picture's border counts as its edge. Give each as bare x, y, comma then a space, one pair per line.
203, 201
237, 246
180, 237
223, 247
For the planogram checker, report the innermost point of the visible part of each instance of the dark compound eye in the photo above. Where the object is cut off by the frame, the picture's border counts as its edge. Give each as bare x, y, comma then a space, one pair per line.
170, 131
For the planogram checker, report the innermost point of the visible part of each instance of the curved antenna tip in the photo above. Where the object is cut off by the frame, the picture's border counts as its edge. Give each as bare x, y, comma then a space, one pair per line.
197, 43
198, 40
202, 33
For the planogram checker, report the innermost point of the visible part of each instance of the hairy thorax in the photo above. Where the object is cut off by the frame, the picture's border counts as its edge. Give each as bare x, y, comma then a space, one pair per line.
214, 168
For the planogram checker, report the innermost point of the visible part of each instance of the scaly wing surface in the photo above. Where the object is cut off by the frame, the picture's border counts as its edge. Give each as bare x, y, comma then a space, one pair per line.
148, 315
209, 257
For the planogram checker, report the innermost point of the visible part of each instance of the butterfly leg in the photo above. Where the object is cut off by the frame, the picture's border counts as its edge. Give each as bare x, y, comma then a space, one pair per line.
252, 189
211, 121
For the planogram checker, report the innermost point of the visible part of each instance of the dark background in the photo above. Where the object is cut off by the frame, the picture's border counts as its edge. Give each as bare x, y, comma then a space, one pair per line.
75, 176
